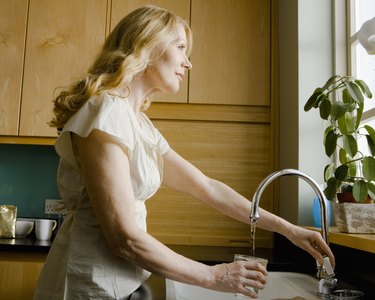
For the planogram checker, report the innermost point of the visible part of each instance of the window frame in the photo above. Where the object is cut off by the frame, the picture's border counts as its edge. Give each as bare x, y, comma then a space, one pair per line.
345, 42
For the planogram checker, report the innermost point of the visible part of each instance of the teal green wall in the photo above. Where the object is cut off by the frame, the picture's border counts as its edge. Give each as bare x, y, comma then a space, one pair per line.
28, 177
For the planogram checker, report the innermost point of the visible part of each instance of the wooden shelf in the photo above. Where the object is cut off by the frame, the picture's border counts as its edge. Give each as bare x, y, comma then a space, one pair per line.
364, 242
26, 140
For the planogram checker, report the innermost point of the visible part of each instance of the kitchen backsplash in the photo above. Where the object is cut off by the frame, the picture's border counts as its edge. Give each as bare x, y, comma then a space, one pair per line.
28, 177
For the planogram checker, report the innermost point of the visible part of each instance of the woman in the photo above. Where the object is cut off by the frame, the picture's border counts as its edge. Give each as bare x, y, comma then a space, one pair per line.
113, 159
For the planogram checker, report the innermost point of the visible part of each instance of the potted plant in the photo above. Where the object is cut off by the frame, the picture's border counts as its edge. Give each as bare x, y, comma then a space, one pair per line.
352, 171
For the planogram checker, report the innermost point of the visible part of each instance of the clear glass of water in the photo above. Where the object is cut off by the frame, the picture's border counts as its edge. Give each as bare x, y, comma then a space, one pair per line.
243, 257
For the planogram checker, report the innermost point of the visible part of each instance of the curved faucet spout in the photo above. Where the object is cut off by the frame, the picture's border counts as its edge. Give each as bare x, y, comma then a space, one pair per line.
327, 282
254, 215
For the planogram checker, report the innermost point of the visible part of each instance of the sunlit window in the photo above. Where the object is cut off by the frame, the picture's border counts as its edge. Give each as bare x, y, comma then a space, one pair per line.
362, 64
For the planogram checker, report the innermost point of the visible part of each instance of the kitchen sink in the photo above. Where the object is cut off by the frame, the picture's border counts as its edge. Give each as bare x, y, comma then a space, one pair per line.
280, 285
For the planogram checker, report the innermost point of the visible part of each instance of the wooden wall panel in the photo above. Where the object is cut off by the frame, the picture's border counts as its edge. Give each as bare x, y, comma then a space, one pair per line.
237, 154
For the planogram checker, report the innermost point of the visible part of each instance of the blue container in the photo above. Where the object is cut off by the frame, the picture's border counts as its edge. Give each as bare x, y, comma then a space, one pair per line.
316, 212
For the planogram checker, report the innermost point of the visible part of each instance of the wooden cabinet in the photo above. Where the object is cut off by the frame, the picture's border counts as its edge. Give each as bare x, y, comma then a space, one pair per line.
231, 56
13, 15
63, 37
19, 273
231, 53
231, 49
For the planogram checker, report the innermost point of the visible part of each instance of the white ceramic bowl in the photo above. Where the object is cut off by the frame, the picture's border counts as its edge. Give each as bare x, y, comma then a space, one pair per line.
23, 228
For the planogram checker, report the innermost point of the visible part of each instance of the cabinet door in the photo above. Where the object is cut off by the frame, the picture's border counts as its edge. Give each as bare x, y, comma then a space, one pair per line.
13, 16
231, 54
63, 37
19, 272
120, 8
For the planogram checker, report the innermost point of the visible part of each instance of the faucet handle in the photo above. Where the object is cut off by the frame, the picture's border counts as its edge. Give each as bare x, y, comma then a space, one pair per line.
328, 267
325, 270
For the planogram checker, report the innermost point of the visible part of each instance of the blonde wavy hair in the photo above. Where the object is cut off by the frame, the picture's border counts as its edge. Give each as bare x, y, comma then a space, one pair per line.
127, 52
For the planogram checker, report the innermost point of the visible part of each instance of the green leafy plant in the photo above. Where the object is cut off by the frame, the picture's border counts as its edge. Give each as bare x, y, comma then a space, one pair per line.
340, 102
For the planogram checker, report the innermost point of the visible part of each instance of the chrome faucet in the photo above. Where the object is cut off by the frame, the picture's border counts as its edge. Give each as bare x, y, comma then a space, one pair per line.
327, 282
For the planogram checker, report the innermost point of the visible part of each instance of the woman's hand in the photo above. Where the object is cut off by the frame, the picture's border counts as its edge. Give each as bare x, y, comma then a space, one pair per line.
308, 240
236, 277
312, 242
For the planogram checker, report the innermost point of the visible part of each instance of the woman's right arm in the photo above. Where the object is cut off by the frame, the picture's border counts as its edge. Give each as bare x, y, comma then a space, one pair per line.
106, 174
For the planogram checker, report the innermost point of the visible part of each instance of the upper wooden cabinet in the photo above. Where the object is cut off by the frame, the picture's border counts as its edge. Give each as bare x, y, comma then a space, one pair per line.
63, 37
231, 56
120, 8
13, 16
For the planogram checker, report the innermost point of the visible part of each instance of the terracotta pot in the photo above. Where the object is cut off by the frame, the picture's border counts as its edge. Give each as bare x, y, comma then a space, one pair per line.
347, 197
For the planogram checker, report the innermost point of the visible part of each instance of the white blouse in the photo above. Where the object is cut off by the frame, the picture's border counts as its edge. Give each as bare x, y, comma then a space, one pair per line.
79, 264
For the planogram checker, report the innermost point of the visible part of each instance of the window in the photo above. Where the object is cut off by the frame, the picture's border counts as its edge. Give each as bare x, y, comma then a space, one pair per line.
360, 63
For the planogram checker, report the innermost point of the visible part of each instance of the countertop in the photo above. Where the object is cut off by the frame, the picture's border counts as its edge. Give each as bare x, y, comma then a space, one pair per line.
25, 245
364, 242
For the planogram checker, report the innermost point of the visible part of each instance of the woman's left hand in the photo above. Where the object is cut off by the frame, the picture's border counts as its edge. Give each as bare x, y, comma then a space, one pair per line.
312, 242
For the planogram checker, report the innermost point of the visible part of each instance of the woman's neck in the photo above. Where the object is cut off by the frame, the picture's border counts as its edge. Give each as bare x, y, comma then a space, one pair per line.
137, 92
